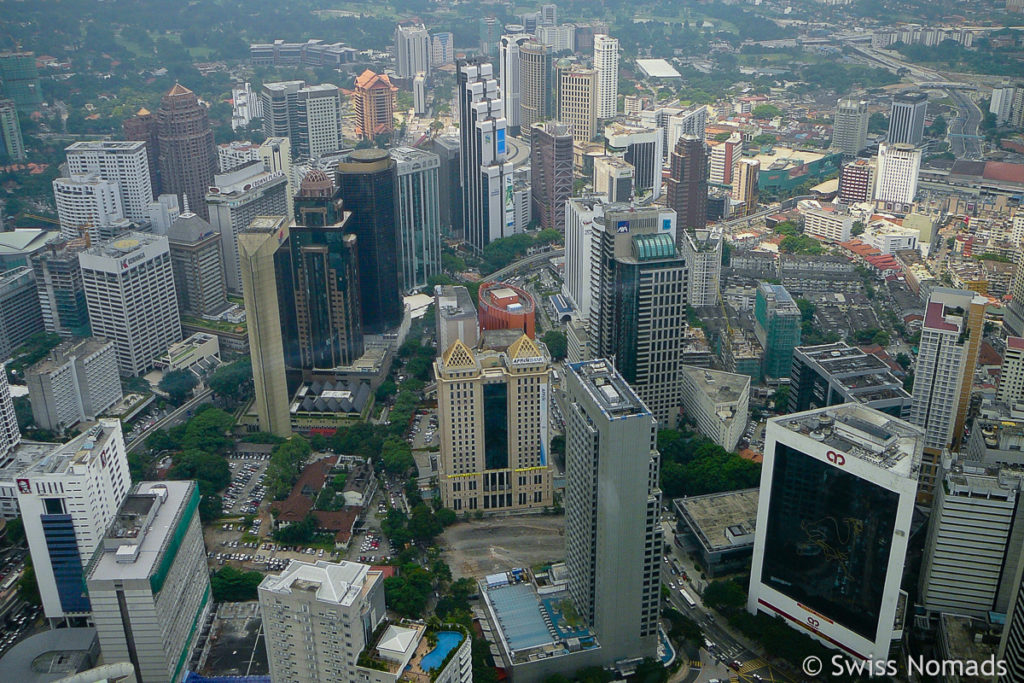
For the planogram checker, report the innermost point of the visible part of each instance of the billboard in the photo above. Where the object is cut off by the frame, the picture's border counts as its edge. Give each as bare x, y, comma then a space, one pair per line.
510, 204
544, 424
622, 226
501, 141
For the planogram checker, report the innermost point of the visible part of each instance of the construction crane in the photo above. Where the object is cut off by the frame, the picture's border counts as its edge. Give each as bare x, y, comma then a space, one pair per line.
44, 219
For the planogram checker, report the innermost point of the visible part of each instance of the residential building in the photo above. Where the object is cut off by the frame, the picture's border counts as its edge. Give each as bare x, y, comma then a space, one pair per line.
611, 448
857, 181
744, 187
829, 222
577, 101
777, 326
86, 204
723, 155
12, 144
898, 168
412, 50
188, 157
506, 307
717, 402
442, 49
906, 118
19, 77
198, 266
319, 617
606, 62
535, 84
129, 291
233, 200
374, 101
675, 122
1011, 374
687, 185
20, 312
60, 288
558, 38
850, 129
68, 496
149, 584
120, 162
510, 78
231, 155
839, 475
1001, 104
419, 219
456, 317
75, 383
833, 374
408, 650
493, 416
551, 175
245, 106
702, 251
642, 148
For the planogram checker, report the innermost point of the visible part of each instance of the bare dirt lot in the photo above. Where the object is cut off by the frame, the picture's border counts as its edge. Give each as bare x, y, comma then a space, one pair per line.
480, 547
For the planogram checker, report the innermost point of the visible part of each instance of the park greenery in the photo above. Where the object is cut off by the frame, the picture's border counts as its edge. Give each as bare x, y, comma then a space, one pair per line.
286, 463
234, 585
502, 252
692, 465
231, 383
557, 344
178, 385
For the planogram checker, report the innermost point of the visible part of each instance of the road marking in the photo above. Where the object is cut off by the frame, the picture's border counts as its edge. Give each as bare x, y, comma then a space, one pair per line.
752, 665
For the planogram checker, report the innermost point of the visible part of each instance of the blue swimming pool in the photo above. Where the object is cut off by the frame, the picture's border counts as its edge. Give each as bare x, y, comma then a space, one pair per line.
446, 642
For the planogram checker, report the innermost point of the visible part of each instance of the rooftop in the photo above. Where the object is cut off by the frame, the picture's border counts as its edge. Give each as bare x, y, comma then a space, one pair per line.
721, 521
65, 350
608, 389
51, 655
124, 245
454, 302
32, 458
722, 387
338, 583
657, 68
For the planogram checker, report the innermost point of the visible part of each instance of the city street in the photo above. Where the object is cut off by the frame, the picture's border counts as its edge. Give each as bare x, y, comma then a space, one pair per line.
964, 141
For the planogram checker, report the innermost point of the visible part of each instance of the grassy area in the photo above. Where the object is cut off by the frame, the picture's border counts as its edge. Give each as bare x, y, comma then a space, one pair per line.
217, 325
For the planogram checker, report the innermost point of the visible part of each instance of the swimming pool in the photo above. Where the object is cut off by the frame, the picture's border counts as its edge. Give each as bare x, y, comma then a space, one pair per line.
446, 642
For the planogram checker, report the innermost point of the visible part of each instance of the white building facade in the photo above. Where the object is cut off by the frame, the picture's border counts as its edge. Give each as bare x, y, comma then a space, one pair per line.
118, 161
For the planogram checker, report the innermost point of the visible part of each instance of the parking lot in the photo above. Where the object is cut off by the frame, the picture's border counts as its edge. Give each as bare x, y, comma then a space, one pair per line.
246, 490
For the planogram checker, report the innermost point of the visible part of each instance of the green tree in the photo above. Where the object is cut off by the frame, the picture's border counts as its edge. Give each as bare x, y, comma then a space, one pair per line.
28, 587
286, 463
233, 381
297, 533
766, 111
857, 229
423, 525
724, 594
178, 385
233, 585
781, 400
396, 455
878, 123
15, 532
558, 345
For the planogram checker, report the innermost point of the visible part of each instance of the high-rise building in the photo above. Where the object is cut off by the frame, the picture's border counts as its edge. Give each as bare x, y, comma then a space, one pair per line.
61, 292
493, 415
606, 62
149, 584
535, 77
702, 251
308, 115
10, 435
1011, 375
20, 313
456, 317
744, 187
12, 144
611, 441
559, 38
832, 374
325, 270
833, 523
577, 101
490, 31
487, 203
906, 118
419, 94
717, 402
723, 156
279, 102
116, 161
412, 50
857, 181
129, 291
318, 619
613, 178
188, 157
76, 382
367, 182
87, 205
442, 49
449, 183
197, 263
641, 147
374, 101
19, 80
509, 77
548, 15
777, 326
675, 122
551, 173
898, 168
231, 155
259, 246
824, 221
234, 199
1001, 104
276, 154
687, 185
142, 128
68, 496
419, 219
850, 128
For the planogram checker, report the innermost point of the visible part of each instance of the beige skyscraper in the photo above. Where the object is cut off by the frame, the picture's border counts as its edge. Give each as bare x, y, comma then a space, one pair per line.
577, 102
493, 410
744, 186
257, 247
534, 84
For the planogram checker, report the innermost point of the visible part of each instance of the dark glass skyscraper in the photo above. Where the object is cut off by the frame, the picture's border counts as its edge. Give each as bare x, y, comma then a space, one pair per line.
187, 155
688, 184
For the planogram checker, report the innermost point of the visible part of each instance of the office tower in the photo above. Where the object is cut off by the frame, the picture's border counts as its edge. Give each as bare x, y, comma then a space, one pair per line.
68, 497
325, 267
613, 179
188, 157
833, 522
744, 187
197, 264
149, 585
1001, 104
60, 288
308, 115
449, 183
419, 94
606, 62
612, 500
487, 207
456, 317
142, 128
906, 118
85, 204
442, 49
675, 122
279, 102
276, 153
550, 172
258, 247
20, 312
245, 106
558, 38
687, 185
374, 101
76, 382
777, 326
367, 184
832, 374
419, 220
850, 128
1011, 376
1011, 645
548, 15
124, 163
898, 168
580, 215
702, 251
319, 618
11, 142
129, 291
19, 80
857, 181
506, 307
577, 102
10, 435
490, 31
973, 549
535, 77
234, 199
717, 402
723, 158
510, 78
641, 147
412, 50
493, 414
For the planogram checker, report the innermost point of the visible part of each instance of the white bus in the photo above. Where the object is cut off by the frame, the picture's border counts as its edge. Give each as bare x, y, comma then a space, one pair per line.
686, 597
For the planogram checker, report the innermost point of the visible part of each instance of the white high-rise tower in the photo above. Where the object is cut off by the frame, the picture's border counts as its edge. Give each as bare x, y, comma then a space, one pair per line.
606, 61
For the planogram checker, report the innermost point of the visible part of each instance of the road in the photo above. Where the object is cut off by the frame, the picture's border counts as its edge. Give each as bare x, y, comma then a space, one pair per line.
528, 261
964, 141
176, 417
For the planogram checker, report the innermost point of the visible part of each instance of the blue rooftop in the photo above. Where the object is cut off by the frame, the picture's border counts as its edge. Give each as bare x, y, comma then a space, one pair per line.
520, 617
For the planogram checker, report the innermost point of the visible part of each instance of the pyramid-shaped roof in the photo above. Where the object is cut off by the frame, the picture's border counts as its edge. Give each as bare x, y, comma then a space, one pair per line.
143, 112
524, 347
459, 356
179, 89
188, 228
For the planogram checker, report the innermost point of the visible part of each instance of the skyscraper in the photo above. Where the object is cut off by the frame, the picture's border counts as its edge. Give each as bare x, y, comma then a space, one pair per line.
702, 251
442, 49
831, 374
374, 102
367, 183
86, 204
188, 157
535, 77
744, 187
687, 185
510, 79
20, 313
1011, 374
612, 500
10, 435
490, 30
412, 50
606, 62
493, 412
488, 209
116, 161
641, 148
857, 181
777, 326
898, 169
76, 382
129, 290
722, 159
419, 220
551, 173
197, 263
833, 523
61, 291
19, 80
308, 115
850, 129
12, 143
906, 118
577, 101
142, 128
447, 148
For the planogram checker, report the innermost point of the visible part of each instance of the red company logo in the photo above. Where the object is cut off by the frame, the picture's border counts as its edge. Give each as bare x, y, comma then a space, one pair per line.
837, 459
813, 623
24, 486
